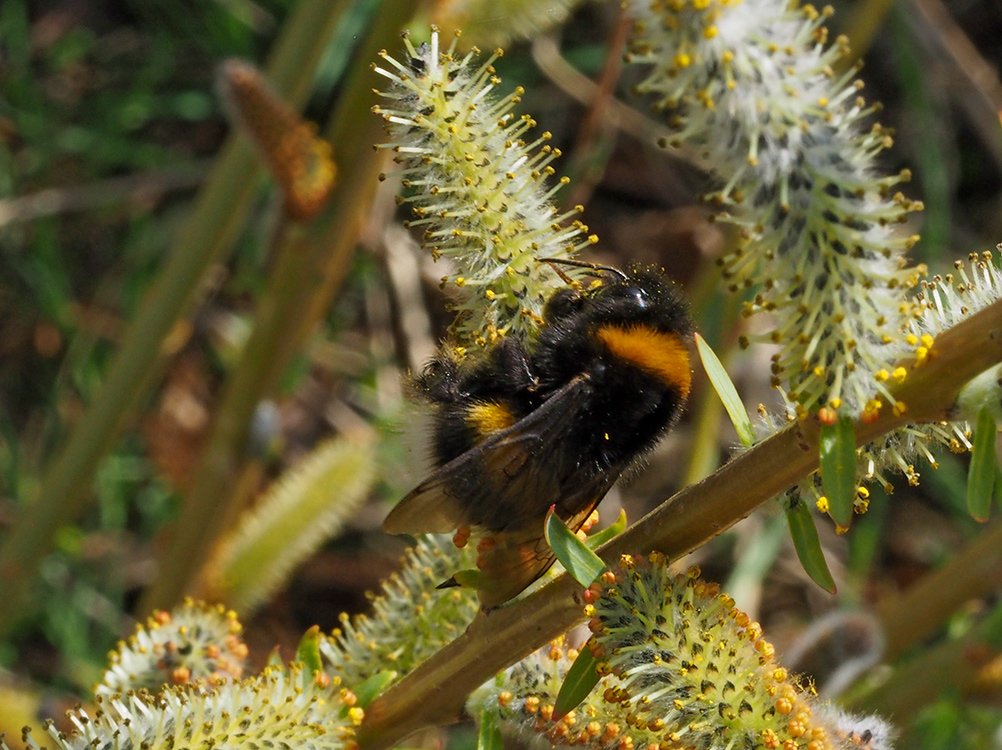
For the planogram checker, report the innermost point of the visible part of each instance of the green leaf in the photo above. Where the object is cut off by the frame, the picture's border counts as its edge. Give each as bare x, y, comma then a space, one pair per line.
308, 651
470, 578
580, 680
808, 546
372, 687
838, 468
599, 538
981, 392
728, 394
583, 564
981, 475
489, 736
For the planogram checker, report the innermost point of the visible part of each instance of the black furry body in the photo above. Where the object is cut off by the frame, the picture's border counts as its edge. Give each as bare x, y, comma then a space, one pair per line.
551, 422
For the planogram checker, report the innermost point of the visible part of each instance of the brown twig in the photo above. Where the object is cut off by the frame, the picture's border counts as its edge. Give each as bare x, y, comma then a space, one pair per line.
134, 188
596, 125
979, 89
434, 692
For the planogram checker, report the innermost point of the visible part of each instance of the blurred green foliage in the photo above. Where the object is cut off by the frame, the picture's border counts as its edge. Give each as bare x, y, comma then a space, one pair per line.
108, 120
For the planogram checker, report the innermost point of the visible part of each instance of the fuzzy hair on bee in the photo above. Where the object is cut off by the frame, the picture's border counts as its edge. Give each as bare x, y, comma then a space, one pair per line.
552, 421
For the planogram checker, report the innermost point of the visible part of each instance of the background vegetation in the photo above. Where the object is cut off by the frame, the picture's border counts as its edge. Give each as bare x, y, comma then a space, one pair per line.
112, 138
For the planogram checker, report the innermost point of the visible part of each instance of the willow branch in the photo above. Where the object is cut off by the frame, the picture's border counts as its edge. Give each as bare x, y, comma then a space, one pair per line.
913, 615
434, 692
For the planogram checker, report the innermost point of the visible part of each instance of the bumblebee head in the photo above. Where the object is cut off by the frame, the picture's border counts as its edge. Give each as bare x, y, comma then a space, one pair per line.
641, 296
634, 319
644, 297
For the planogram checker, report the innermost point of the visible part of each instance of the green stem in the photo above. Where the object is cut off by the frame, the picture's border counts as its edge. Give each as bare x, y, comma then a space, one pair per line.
311, 262
434, 692
908, 618
219, 212
950, 666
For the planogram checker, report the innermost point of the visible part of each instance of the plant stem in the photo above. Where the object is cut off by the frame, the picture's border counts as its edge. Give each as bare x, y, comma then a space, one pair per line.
913, 615
953, 665
311, 262
435, 691
219, 212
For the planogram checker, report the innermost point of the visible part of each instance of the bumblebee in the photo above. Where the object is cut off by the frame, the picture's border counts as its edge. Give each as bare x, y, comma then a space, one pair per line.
549, 422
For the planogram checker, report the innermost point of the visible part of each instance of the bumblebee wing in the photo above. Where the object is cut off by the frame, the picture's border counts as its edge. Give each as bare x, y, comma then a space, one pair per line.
502, 482
516, 559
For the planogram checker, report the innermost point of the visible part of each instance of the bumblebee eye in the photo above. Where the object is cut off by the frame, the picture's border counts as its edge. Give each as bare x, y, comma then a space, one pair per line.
637, 298
643, 302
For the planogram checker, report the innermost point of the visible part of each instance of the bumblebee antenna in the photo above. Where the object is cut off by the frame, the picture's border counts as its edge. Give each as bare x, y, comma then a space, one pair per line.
581, 264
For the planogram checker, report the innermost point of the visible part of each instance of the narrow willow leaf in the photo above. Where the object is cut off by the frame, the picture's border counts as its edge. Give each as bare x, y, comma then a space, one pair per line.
469, 578
808, 546
489, 736
301, 510
308, 651
372, 687
599, 538
580, 680
838, 468
981, 475
583, 564
728, 394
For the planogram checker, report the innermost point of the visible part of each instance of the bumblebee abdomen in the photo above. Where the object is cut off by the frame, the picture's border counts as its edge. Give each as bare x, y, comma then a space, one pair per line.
660, 354
630, 412
488, 417
461, 426
641, 378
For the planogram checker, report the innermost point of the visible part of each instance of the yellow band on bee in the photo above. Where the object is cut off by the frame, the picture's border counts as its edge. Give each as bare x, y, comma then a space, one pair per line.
663, 355
487, 417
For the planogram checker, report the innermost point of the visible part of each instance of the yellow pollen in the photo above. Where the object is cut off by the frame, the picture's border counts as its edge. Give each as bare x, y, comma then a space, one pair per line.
899, 374
682, 60
822, 504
